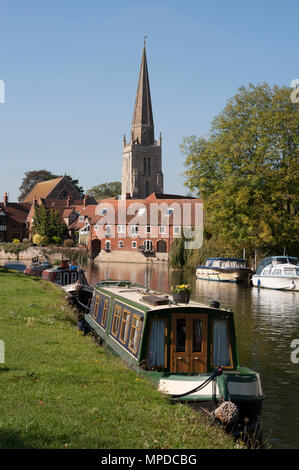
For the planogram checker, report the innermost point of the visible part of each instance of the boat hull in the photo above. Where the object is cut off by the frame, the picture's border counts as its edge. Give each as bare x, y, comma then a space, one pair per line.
272, 282
222, 275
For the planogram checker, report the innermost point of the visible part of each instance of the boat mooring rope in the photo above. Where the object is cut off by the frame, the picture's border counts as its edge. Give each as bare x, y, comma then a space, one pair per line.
215, 373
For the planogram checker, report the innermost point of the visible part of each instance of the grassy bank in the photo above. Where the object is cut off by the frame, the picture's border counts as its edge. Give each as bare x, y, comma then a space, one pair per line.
59, 389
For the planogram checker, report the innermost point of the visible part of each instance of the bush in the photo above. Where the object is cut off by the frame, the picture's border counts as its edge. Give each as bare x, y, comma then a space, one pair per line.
56, 240
68, 243
25, 240
40, 239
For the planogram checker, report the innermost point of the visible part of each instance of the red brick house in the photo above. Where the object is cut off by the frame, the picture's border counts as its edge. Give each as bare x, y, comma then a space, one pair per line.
13, 217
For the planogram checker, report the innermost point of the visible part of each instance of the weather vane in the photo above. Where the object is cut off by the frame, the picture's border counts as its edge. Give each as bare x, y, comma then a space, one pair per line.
144, 40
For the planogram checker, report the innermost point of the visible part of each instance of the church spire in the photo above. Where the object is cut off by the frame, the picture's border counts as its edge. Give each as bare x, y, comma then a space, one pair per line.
143, 123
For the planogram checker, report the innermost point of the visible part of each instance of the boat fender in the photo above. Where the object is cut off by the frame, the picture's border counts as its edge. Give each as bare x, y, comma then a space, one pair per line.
258, 283
227, 413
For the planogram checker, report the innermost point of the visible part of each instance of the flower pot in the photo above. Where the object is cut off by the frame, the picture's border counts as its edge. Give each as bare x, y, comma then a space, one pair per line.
182, 297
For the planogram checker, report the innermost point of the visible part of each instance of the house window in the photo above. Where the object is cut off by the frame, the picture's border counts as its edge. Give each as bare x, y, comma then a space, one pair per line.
134, 244
148, 229
105, 313
169, 211
124, 328
96, 228
135, 334
107, 245
120, 244
161, 229
176, 230
116, 320
121, 229
134, 229
108, 230
81, 218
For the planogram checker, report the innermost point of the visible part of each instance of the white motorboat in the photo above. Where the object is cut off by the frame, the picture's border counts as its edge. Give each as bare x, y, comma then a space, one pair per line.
223, 269
277, 272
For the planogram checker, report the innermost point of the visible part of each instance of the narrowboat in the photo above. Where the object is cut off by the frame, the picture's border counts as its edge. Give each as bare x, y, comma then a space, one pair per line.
188, 350
223, 269
63, 275
277, 272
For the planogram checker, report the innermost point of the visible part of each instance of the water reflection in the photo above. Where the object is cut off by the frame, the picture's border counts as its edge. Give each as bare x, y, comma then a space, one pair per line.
266, 323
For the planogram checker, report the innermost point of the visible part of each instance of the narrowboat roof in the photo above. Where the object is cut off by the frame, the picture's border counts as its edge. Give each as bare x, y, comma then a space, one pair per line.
146, 298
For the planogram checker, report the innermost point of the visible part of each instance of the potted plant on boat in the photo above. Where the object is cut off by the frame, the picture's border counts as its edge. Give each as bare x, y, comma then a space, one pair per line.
181, 293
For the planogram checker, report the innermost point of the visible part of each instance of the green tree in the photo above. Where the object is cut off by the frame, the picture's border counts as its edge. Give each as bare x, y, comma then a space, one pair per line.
246, 171
47, 223
105, 190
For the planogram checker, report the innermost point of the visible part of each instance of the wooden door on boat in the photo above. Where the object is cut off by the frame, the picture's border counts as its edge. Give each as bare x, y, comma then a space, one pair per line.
189, 343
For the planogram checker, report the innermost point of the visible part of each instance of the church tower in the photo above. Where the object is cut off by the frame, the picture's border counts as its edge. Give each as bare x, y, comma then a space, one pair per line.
142, 156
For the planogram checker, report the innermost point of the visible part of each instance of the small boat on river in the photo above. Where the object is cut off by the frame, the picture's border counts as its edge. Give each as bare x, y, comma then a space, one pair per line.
188, 350
277, 272
223, 269
65, 275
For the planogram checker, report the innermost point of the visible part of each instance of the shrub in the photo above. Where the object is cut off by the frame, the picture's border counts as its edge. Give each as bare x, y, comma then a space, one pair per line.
56, 240
40, 239
25, 240
68, 243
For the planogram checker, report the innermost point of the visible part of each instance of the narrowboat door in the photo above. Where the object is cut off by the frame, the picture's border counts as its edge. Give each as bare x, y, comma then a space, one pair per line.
189, 343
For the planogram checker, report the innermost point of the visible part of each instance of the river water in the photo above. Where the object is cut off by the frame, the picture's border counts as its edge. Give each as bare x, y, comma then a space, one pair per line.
266, 323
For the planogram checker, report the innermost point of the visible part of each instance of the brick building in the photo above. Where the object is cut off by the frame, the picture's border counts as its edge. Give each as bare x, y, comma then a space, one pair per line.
13, 217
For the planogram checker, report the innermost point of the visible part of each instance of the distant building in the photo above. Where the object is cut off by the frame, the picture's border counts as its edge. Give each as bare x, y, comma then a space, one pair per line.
57, 188
142, 155
13, 217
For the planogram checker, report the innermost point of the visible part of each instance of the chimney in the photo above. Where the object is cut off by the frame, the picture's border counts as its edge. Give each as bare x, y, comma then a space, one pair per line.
85, 200
5, 199
68, 201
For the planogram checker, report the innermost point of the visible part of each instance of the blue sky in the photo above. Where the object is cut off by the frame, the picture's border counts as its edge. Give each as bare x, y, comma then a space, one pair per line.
70, 69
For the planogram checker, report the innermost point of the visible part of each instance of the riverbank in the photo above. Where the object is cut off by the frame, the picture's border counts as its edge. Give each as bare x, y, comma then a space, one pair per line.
61, 390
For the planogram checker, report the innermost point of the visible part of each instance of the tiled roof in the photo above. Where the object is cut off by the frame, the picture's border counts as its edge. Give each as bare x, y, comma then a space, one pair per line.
16, 211
42, 190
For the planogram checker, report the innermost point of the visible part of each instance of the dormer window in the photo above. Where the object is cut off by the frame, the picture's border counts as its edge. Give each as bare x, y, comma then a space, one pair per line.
81, 218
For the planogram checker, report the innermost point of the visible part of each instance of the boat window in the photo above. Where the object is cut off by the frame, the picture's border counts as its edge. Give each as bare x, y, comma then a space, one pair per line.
65, 278
124, 328
276, 272
116, 320
266, 272
135, 334
180, 335
58, 278
297, 272
289, 272
221, 347
156, 354
74, 276
96, 307
197, 335
105, 313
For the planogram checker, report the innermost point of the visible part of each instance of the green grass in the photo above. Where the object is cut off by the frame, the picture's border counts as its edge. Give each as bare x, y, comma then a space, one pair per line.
60, 389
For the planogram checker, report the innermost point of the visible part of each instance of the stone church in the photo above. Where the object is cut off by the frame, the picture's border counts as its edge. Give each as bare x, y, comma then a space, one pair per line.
142, 155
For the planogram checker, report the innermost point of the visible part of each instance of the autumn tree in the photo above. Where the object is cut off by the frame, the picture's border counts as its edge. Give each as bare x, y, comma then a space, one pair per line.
246, 171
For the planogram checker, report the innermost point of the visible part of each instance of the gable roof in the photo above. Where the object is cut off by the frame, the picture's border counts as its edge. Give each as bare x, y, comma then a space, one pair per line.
42, 190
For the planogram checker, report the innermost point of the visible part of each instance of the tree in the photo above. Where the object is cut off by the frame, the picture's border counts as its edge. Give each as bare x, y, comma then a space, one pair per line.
47, 223
31, 178
105, 190
247, 170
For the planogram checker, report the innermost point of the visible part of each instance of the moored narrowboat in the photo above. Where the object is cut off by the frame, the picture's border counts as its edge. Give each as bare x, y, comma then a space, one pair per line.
189, 351
64, 275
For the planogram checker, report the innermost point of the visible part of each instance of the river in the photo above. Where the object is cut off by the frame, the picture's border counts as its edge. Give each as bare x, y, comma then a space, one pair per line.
266, 323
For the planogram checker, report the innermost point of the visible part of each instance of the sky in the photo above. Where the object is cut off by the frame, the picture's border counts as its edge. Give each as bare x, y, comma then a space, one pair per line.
70, 70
